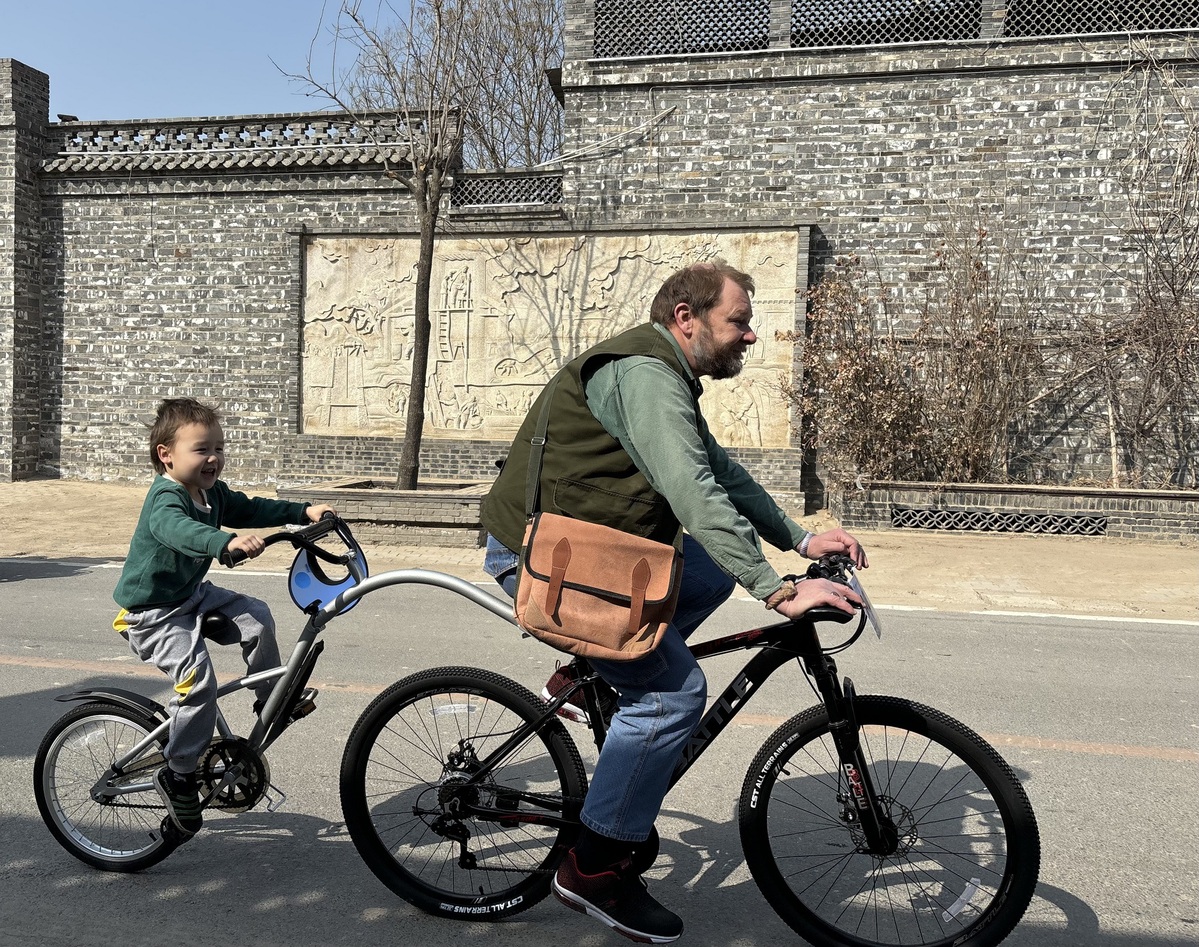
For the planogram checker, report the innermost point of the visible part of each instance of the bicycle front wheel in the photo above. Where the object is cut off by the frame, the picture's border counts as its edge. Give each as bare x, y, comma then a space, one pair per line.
969, 851
98, 816
441, 822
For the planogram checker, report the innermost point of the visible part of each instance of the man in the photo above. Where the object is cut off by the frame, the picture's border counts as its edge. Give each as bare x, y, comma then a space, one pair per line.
627, 446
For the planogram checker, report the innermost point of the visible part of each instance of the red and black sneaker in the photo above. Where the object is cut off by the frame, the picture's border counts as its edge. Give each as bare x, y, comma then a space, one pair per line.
619, 898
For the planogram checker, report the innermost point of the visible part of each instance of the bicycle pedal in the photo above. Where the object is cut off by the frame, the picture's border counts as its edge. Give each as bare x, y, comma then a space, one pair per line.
305, 706
274, 797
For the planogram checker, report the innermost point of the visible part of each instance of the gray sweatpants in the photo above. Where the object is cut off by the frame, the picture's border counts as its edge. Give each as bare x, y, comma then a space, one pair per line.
170, 639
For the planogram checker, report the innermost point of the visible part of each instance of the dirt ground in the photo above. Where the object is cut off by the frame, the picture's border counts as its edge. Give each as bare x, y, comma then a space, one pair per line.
915, 568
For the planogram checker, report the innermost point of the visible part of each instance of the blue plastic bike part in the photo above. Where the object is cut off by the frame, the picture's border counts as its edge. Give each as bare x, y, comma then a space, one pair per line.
311, 587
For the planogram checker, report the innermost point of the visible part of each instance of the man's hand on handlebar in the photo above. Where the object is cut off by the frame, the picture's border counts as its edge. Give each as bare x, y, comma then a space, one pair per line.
836, 541
813, 592
314, 513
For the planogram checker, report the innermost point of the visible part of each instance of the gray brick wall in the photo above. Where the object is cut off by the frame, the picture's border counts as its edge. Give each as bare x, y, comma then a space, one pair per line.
884, 147
122, 282
24, 102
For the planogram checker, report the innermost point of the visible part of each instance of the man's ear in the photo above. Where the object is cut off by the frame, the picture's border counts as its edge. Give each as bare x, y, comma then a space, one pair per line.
164, 454
684, 318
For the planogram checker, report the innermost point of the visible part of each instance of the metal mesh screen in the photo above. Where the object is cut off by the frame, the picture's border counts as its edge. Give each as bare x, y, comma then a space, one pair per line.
499, 191
664, 27
1071, 17
875, 22
982, 521
678, 27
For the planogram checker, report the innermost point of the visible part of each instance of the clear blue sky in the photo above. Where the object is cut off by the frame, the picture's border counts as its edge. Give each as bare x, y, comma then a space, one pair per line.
125, 59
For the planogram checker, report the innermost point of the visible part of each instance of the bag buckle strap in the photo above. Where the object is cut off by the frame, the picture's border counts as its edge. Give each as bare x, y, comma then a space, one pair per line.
558, 564
641, 574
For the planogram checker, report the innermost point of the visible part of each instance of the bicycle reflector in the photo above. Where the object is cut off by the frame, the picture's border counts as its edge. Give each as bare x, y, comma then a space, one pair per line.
311, 587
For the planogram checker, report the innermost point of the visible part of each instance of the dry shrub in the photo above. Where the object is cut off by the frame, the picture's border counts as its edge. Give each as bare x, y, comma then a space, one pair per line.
939, 389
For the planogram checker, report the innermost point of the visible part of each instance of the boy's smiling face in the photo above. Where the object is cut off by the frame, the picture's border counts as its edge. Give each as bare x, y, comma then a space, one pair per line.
196, 458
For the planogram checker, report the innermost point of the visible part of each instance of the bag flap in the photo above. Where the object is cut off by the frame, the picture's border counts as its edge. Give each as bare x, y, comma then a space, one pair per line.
602, 559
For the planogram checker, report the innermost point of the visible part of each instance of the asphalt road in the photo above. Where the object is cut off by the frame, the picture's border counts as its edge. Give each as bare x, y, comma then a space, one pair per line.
1098, 718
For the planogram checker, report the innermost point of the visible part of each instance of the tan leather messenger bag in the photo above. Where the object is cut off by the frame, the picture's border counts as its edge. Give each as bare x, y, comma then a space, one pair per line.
589, 589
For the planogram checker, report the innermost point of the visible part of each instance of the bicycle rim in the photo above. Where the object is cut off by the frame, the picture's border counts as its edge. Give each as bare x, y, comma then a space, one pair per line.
966, 865
119, 834
406, 796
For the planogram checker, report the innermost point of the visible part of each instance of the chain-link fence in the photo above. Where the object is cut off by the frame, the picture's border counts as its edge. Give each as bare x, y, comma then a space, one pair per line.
677, 27
667, 27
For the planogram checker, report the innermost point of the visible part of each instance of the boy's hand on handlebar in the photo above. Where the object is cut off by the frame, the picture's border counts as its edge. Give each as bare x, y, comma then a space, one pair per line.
813, 592
837, 541
314, 513
248, 546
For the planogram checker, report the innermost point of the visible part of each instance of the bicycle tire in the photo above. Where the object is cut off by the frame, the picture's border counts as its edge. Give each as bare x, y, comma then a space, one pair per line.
935, 777
124, 834
407, 752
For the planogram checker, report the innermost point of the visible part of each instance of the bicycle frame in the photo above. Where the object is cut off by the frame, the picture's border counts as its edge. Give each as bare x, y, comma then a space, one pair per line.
779, 643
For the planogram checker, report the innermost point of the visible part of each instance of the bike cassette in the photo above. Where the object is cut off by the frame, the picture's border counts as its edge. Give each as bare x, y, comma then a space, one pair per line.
248, 773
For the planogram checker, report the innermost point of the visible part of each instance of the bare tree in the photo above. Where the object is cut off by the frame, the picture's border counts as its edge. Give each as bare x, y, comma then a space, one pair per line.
516, 120
438, 75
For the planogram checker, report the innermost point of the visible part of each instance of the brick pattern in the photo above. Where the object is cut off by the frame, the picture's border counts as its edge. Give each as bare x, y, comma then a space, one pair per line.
437, 515
121, 283
883, 147
24, 101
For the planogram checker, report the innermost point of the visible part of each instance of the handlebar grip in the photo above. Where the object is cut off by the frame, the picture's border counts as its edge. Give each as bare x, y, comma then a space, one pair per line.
231, 557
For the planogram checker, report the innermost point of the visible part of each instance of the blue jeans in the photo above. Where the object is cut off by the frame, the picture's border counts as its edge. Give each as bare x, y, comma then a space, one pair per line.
662, 698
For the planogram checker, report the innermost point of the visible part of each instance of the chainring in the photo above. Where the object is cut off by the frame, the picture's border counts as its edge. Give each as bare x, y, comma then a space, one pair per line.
253, 777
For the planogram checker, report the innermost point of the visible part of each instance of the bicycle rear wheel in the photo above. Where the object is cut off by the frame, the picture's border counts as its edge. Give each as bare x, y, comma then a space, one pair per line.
110, 832
455, 848
969, 850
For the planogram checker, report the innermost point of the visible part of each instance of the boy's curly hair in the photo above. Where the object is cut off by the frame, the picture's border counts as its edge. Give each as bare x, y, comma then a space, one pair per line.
173, 413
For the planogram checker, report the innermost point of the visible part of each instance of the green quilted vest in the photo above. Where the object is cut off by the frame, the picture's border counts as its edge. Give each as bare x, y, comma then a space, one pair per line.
585, 472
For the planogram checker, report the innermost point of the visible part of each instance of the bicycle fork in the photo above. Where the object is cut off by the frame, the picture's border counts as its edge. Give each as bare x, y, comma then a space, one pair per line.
860, 801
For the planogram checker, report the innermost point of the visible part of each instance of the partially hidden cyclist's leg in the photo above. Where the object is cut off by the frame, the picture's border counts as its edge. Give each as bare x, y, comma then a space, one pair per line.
170, 639
662, 698
254, 630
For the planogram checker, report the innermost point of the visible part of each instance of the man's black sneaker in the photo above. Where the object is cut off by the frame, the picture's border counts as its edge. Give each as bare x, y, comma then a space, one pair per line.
619, 898
565, 675
181, 796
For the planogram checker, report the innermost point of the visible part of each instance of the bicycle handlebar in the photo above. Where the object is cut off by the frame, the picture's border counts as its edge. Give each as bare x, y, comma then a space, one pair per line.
300, 537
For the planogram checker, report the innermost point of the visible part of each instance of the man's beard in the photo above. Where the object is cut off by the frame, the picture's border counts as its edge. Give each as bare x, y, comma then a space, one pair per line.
717, 363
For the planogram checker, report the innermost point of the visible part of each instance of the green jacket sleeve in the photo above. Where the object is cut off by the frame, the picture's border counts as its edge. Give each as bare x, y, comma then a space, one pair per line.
239, 511
648, 409
171, 524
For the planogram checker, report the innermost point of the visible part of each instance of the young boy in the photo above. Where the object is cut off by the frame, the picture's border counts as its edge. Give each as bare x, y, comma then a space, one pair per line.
163, 594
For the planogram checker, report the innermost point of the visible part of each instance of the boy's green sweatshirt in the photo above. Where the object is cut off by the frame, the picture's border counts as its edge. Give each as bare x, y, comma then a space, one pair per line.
175, 541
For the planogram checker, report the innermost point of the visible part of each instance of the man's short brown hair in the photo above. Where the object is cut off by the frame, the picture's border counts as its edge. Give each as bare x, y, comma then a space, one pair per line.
699, 286
172, 415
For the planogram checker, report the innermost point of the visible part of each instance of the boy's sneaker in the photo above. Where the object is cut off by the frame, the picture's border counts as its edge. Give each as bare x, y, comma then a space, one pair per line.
181, 796
619, 898
564, 676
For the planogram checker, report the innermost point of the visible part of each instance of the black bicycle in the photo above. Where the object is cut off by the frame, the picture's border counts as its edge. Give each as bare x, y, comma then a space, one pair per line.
865, 820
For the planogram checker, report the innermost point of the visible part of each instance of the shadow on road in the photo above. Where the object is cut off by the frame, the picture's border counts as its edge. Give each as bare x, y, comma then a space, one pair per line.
38, 567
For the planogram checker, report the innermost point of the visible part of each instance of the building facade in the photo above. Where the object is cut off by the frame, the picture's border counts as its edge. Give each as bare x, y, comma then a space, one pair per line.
262, 262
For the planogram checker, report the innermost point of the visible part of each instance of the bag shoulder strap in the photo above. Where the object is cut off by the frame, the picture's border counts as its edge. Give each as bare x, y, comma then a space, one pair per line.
536, 452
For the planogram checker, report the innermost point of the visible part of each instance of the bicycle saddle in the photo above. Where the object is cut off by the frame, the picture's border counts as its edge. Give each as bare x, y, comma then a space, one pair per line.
311, 586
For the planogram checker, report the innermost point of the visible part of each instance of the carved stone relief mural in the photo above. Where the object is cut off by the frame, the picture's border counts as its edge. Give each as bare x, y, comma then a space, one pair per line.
507, 312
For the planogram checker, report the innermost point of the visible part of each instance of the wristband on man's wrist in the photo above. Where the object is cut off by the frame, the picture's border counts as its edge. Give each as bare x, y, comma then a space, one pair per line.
784, 593
803, 546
